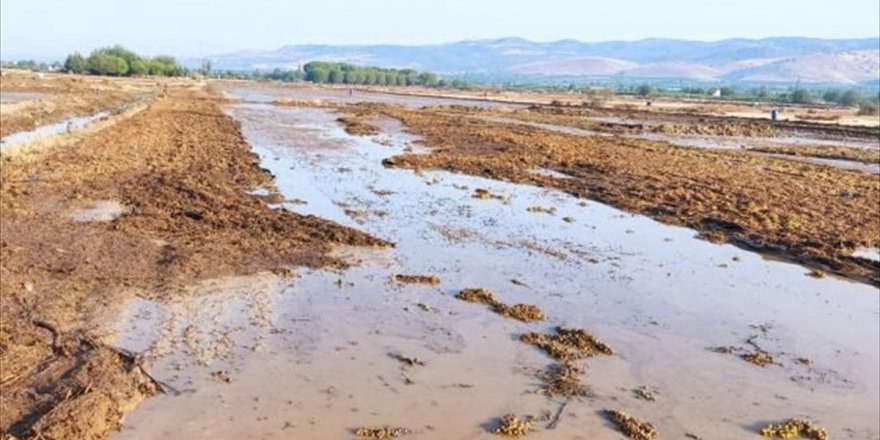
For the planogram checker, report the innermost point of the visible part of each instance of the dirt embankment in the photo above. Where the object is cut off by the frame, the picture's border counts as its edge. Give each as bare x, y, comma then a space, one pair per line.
810, 214
62, 97
863, 155
182, 171
621, 121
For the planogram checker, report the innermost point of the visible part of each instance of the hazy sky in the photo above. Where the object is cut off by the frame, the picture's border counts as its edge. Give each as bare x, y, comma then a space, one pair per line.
46, 29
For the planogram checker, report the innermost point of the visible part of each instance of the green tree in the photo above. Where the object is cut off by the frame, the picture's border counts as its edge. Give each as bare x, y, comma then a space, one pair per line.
102, 63
429, 79
75, 63
644, 90
155, 68
139, 67
121, 52
727, 91
335, 76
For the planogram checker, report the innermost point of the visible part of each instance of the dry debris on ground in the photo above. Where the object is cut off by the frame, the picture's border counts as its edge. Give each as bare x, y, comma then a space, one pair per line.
358, 127
522, 312
795, 428
431, 280
564, 380
631, 426
567, 344
513, 426
408, 360
645, 393
381, 433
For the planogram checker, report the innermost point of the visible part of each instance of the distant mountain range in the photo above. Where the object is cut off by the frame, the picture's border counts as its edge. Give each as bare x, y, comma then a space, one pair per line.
784, 59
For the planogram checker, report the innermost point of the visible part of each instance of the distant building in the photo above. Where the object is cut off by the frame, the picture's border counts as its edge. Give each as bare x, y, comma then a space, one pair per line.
716, 93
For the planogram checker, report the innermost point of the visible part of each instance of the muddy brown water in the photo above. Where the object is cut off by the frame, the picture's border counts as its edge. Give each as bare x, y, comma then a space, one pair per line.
311, 357
342, 96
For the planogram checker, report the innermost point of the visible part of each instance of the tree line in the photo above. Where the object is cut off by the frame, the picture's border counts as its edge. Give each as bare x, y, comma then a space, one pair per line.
341, 73
118, 61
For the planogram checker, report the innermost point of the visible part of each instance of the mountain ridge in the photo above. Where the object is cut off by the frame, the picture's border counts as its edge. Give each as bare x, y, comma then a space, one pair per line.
774, 59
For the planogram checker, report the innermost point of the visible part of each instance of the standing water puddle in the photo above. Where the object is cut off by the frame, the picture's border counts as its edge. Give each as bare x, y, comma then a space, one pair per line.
14, 97
312, 357
46, 131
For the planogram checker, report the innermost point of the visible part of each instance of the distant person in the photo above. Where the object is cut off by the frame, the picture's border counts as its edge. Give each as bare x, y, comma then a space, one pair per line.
350, 91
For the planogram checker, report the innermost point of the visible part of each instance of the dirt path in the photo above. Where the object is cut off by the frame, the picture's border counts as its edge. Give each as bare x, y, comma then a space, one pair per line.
155, 202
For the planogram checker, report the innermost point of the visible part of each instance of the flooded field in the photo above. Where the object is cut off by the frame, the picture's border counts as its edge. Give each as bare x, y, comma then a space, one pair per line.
14, 97
235, 260
319, 353
46, 131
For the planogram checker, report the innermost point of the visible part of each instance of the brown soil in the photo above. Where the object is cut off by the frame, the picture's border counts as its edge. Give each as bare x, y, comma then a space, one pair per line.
795, 428
183, 170
632, 427
357, 123
810, 214
745, 128
697, 121
65, 97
